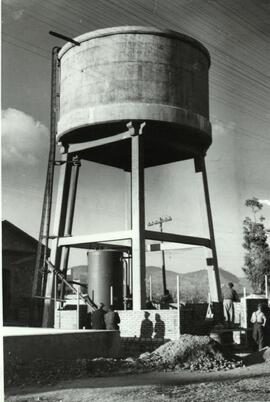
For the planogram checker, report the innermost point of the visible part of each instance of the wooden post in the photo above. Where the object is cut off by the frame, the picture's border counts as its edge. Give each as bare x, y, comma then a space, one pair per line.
138, 217
178, 305
111, 295
78, 309
150, 287
55, 295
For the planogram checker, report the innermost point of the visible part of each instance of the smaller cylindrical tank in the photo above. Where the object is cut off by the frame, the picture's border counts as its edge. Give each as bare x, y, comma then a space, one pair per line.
105, 277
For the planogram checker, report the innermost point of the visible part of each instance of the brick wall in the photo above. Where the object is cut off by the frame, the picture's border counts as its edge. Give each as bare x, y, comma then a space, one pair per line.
67, 319
130, 324
192, 320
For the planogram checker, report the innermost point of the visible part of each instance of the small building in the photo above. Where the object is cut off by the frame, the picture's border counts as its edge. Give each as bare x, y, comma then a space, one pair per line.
18, 266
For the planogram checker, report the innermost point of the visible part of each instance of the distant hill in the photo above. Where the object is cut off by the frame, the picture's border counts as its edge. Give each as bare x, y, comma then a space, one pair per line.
193, 285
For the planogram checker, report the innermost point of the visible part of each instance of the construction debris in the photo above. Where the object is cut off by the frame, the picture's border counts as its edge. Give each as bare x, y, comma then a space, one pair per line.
189, 352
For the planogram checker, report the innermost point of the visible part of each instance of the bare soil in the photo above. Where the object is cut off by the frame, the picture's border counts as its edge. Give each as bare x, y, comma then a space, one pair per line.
241, 384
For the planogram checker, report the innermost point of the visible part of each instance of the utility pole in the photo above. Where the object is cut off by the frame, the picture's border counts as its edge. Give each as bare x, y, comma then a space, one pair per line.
160, 222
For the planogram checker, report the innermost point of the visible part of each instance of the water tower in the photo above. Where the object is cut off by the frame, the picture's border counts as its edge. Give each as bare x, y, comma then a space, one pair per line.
131, 98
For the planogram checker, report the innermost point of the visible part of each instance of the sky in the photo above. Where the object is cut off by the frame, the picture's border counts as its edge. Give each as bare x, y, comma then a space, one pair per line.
236, 33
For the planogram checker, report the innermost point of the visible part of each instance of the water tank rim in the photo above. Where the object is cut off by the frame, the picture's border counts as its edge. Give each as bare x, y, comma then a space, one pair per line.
118, 30
196, 120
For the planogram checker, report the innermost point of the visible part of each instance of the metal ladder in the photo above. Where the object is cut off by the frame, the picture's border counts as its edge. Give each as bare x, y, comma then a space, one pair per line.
40, 273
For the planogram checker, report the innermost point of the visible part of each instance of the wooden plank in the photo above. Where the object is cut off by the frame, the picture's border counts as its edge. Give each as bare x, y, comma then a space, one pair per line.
170, 247
176, 238
71, 241
98, 143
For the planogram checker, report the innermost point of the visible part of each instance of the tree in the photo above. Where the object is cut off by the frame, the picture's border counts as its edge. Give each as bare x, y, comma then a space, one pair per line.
257, 256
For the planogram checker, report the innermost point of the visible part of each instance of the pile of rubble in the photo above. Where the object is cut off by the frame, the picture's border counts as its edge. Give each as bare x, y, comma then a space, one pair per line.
189, 352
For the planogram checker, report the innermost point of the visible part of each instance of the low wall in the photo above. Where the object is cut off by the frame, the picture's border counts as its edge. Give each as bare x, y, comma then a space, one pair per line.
65, 346
191, 320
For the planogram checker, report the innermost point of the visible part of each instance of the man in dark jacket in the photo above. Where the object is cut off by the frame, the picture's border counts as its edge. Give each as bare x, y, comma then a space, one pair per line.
146, 326
97, 318
159, 328
112, 319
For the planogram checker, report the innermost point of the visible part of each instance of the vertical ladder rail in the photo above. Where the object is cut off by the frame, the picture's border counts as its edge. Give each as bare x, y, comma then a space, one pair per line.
39, 282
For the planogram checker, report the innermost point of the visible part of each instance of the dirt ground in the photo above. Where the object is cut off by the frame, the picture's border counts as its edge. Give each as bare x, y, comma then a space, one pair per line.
242, 384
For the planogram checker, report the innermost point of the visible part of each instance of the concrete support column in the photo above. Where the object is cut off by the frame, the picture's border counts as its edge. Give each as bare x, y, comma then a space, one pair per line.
70, 215
138, 217
58, 231
213, 272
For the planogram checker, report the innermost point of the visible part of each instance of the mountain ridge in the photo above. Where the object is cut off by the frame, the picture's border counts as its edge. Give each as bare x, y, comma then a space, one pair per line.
194, 285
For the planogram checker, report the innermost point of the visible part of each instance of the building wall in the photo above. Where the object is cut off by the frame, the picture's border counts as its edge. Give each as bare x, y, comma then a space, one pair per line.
17, 287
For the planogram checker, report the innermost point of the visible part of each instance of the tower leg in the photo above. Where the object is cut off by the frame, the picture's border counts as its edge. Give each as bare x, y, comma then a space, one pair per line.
58, 231
213, 272
138, 218
70, 215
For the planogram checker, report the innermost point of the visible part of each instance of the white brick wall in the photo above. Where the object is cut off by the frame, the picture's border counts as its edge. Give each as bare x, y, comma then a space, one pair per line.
66, 319
130, 324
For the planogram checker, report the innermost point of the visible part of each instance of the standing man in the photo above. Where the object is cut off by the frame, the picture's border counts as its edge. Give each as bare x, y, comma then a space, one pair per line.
159, 328
146, 326
229, 296
97, 318
112, 319
258, 320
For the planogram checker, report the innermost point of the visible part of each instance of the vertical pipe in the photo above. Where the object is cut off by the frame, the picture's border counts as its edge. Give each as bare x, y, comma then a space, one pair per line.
138, 217
163, 272
150, 287
266, 286
130, 277
55, 295
163, 263
125, 282
111, 295
178, 306
78, 309
215, 287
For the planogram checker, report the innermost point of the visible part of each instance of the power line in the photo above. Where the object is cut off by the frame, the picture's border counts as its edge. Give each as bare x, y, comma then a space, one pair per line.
26, 49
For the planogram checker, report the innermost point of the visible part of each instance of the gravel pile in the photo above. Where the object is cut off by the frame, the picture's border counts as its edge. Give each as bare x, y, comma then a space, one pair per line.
191, 352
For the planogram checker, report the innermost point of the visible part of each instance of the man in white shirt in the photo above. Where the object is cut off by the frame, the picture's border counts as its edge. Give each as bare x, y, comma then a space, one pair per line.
258, 320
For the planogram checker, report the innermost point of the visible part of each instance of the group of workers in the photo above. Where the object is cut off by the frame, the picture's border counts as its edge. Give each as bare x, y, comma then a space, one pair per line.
102, 319
259, 318
147, 327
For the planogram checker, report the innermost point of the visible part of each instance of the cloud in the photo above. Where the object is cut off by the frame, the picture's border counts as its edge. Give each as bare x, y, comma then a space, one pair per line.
24, 140
15, 7
221, 128
16, 15
265, 202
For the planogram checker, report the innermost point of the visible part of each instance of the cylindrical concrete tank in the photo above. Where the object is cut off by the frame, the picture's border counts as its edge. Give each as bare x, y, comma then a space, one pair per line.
105, 277
123, 74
